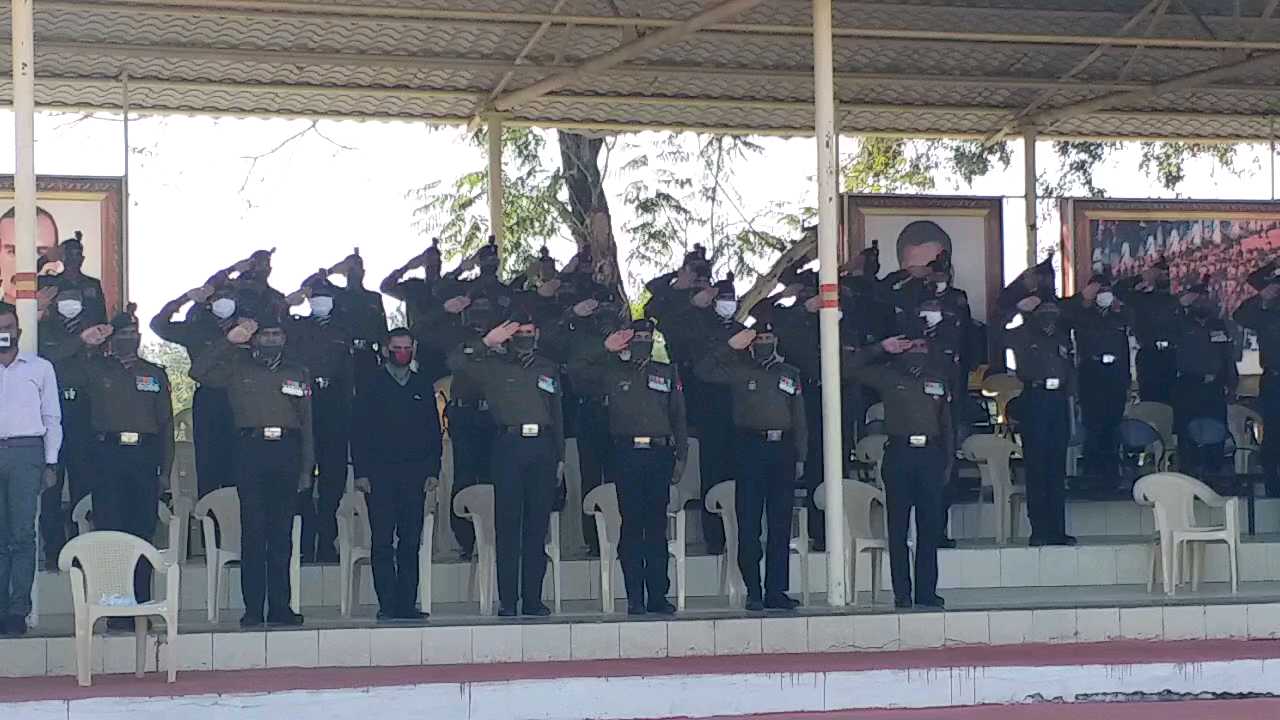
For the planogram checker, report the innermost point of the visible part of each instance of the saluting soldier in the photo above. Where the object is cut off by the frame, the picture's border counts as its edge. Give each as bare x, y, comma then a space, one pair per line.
525, 396
322, 344
650, 444
1207, 374
361, 311
914, 377
275, 451
1101, 326
1154, 323
1259, 314
772, 437
72, 278
1042, 351
132, 421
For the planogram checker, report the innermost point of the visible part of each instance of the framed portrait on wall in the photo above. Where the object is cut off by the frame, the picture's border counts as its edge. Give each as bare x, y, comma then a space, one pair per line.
64, 205
973, 225
1226, 240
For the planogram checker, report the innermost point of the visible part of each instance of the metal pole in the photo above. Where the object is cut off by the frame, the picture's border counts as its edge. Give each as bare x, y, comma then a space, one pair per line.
124, 194
829, 312
24, 179
497, 224
1029, 192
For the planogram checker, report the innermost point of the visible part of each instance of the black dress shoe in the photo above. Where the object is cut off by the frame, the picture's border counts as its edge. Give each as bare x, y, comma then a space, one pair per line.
284, 619
635, 609
902, 603
662, 608
251, 621
13, 625
1037, 541
781, 602
538, 610
946, 544
506, 612
1066, 541
412, 615
386, 617
755, 604
933, 601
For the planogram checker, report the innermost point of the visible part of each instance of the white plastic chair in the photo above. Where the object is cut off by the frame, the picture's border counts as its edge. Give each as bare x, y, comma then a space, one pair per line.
870, 451
800, 548
861, 532
677, 542
875, 413
720, 501
101, 567
476, 504
1173, 497
1160, 417
355, 544
1002, 388
994, 455
219, 515
602, 505
1241, 421
82, 516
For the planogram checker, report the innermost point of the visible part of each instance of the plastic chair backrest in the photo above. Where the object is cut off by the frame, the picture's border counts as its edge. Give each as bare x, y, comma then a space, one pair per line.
1244, 422
476, 503
224, 507
862, 519
875, 412
993, 455
690, 486
870, 450
355, 509
108, 560
1174, 496
603, 500
1137, 434
721, 497
80, 514
1157, 415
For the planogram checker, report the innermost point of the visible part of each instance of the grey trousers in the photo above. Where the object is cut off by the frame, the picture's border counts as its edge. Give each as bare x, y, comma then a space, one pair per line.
20, 471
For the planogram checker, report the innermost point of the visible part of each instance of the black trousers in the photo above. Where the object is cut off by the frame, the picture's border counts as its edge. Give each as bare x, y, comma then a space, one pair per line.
267, 480
1104, 391
75, 468
331, 427
1198, 399
214, 433
127, 493
524, 488
396, 507
643, 492
594, 455
914, 479
1270, 401
1045, 428
764, 491
709, 413
471, 433
1157, 370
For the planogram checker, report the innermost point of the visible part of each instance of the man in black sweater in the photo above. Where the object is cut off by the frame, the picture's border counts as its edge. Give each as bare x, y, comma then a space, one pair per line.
395, 447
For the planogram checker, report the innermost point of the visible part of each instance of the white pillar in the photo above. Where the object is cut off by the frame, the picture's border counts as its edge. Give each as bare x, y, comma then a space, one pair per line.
124, 199
496, 224
826, 136
24, 179
1029, 193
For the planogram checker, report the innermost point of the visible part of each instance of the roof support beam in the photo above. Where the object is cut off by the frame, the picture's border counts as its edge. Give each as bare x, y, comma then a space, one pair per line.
628, 51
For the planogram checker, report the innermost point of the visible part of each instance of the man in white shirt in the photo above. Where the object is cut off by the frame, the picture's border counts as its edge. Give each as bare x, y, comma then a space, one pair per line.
30, 438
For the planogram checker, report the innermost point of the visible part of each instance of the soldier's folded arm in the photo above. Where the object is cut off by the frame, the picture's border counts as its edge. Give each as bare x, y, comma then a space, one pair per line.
216, 368
720, 365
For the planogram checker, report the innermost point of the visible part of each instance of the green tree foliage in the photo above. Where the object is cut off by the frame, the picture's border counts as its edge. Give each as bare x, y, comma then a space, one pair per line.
895, 165
173, 358
1163, 162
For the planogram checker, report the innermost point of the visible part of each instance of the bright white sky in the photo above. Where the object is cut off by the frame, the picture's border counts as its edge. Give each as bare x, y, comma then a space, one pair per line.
315, 201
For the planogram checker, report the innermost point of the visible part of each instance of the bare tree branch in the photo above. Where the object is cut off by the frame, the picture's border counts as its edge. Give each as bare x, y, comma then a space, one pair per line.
765, 284
313, 128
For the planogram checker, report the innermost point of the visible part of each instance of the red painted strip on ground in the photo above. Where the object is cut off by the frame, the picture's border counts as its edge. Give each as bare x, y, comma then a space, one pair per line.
277, 680
1253, 709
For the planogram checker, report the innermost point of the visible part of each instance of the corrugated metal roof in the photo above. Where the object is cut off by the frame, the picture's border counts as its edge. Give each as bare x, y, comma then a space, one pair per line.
922, 67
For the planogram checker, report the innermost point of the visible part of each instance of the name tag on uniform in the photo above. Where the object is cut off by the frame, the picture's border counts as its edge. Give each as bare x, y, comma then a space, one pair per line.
129, 438
659, 383
69, 394
1052, 383
546, 383
1108, 359
787, 385
935, 389
293, 388
146, 383
1162, 344
918, 440
529, 431
1219, 336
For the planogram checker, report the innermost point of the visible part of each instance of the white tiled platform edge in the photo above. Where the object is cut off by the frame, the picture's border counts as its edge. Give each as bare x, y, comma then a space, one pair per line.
369, 647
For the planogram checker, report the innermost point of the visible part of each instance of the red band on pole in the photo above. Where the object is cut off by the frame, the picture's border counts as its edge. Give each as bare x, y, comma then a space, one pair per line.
24, 285
829, 295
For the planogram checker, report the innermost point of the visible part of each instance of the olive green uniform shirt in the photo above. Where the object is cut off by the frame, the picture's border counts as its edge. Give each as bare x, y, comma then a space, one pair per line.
763, 398
519, 393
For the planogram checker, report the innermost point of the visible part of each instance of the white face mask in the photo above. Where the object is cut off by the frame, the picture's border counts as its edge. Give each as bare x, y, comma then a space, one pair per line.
6, 341
942, 286
931, 317
1106, 298
223, 308
70, 309
321, 306
726, 308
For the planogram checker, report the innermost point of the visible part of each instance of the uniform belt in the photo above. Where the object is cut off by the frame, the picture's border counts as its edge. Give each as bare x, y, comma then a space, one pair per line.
125, 438
21, 442
913, 441
644, 441
766, 435
529, 430
1158, 345
271, 433
1042, 385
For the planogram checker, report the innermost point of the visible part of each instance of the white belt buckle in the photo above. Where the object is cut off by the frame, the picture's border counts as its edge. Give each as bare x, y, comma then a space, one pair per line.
272, 433
1052, 383
918, 441
1162, 344
529, 431
129, 438
643, 442
1108, 359
773, 435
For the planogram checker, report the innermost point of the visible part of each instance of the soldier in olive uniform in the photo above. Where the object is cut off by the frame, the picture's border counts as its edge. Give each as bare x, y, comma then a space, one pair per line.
525, 396
275, 452
1207, 375
650, 444
72, 278
1261, 314
323, 345
1101, 326
914, 377
132, 421
1154, 321
1042, 350
361, 311
772, 437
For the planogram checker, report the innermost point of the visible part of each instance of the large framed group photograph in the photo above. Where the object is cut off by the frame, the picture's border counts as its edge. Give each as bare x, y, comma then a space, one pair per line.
972, 225
65, 205
1225, 240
